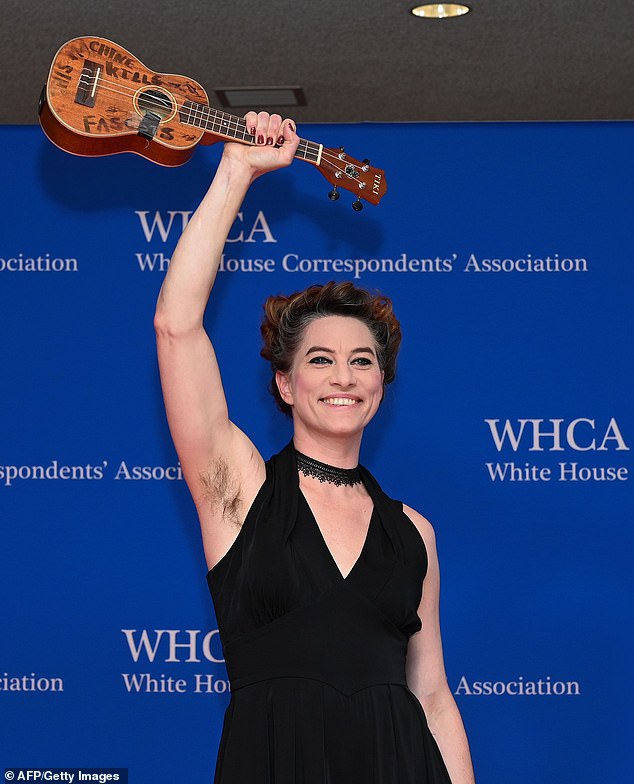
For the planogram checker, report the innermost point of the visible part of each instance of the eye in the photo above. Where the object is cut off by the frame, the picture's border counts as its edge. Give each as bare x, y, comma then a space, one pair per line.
362, 361
320, 361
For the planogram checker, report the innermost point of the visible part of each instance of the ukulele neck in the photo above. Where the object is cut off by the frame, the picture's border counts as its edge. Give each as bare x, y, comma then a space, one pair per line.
231, 127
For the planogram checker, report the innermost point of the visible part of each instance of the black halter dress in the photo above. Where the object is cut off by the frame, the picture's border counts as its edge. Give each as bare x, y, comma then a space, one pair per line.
316, 660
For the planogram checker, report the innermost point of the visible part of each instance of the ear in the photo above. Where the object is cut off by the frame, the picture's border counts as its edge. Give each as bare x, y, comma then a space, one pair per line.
284, 387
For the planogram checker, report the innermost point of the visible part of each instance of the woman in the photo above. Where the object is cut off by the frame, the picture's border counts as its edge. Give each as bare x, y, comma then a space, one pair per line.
334, 656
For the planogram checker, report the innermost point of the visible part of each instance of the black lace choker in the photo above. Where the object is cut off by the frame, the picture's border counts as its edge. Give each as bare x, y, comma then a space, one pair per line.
327, 473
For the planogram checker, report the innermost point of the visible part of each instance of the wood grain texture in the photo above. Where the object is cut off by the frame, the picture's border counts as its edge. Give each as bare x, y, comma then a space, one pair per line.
121, 89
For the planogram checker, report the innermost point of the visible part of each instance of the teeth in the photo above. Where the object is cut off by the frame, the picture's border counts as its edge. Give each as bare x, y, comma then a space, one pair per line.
339, 401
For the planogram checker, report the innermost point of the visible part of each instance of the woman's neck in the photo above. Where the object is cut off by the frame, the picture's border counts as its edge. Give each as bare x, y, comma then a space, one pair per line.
342, 452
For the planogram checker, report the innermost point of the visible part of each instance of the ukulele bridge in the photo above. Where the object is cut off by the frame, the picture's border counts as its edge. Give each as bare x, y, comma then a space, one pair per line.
87, 87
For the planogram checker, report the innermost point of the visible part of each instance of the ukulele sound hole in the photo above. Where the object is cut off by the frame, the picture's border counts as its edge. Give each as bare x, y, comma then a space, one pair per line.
156, 102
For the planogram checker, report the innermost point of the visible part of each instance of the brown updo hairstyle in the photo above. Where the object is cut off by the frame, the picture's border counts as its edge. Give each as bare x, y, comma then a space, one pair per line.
286, 318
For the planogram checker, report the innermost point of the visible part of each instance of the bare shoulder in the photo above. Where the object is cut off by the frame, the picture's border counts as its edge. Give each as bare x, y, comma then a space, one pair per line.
423, 525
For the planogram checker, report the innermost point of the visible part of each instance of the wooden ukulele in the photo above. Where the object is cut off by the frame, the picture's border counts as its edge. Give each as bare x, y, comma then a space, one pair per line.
100, 100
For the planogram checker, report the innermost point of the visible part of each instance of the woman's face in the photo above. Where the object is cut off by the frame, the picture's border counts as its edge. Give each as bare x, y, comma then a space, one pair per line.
335, 384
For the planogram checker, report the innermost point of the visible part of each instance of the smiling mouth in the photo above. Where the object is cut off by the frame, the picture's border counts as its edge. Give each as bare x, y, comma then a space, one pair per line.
343, 402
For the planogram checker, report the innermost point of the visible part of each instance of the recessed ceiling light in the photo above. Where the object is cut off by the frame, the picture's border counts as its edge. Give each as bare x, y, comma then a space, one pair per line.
440, 10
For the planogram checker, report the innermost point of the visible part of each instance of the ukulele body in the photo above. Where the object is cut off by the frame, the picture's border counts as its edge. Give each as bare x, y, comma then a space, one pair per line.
100, 100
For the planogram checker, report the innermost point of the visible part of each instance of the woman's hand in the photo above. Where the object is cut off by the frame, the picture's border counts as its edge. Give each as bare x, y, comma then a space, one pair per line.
269, 130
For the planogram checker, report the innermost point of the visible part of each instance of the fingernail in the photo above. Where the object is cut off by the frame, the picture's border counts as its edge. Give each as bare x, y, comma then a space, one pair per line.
260, 139
291, 126
252, 130
280, 140
269, 140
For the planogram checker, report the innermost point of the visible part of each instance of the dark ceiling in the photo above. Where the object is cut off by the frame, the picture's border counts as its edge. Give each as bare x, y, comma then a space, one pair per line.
356, 61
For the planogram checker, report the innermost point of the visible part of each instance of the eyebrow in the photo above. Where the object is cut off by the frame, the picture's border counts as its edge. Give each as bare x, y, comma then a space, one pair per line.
360, 350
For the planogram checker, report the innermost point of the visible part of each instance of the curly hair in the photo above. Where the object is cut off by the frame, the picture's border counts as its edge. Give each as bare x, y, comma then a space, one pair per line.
286, 318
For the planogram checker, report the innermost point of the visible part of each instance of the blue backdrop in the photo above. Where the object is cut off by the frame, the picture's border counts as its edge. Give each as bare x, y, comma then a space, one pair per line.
507, 252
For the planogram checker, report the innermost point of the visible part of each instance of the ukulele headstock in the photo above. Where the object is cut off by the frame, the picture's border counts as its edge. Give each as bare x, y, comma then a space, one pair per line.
358, 177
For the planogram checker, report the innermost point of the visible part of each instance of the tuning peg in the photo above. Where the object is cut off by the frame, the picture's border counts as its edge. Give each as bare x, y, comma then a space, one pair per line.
334, 194
366, 164
357, 205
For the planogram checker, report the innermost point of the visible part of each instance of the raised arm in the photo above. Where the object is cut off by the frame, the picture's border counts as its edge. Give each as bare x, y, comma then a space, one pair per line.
222, 468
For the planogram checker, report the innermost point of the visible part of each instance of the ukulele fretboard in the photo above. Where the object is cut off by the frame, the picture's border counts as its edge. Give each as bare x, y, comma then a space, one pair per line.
232, 127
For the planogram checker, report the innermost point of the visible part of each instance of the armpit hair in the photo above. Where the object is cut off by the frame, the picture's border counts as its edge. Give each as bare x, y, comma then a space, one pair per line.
222, 490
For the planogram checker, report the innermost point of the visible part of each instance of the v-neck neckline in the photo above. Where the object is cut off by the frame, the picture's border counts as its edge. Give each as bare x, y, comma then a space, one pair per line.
327, 550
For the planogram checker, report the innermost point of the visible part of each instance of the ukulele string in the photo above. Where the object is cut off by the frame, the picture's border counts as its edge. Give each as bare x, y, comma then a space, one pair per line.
230, 121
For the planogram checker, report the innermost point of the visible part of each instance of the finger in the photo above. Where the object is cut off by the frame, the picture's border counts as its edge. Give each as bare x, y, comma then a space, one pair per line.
289, 138
275, 121
262, 128
288, 132
251, 119
285, 125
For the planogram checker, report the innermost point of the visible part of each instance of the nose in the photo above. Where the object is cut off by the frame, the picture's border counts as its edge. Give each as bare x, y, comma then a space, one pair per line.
342, 375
